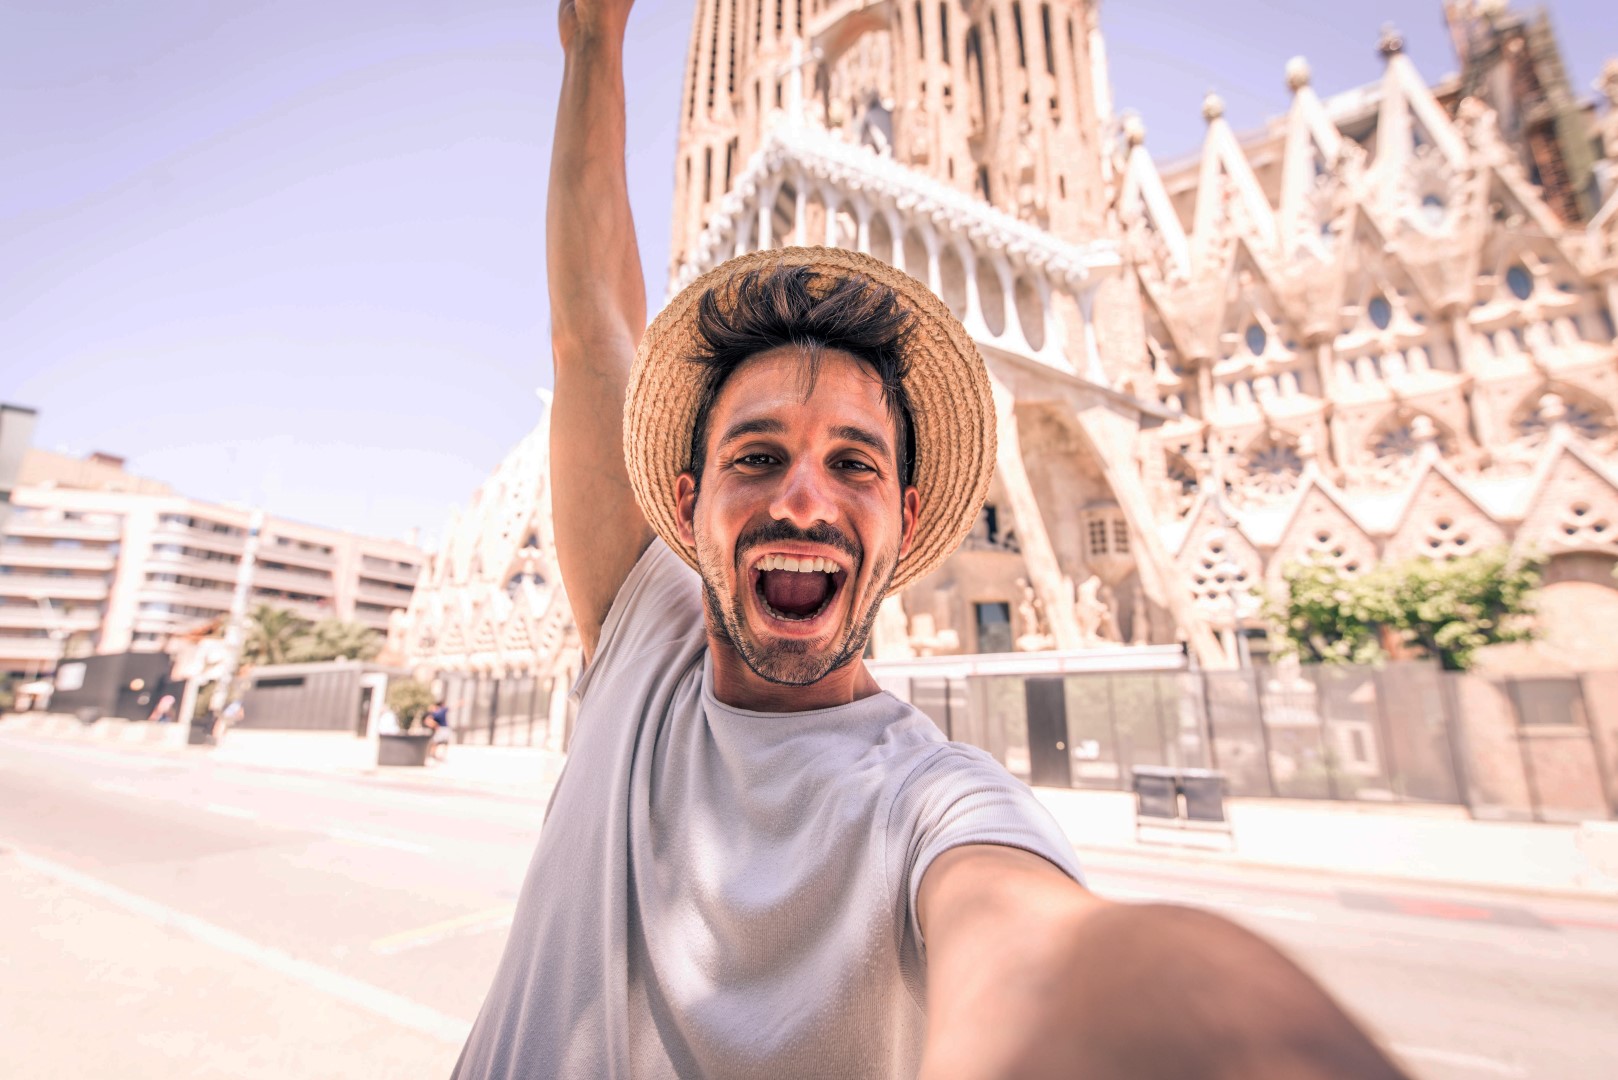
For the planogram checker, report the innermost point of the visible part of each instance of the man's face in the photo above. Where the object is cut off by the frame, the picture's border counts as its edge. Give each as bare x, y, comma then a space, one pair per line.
801, 517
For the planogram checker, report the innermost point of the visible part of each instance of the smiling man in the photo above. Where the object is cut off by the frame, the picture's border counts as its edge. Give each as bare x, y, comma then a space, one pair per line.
758, 864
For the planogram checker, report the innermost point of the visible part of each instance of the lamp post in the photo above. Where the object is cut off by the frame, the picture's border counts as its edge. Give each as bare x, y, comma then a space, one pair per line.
58, 634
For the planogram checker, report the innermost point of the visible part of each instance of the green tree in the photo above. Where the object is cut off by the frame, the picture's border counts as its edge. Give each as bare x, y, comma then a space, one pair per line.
273, 635
1447, 610
409, 699
333, 639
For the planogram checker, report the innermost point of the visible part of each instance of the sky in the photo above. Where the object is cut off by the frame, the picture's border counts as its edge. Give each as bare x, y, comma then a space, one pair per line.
291, 253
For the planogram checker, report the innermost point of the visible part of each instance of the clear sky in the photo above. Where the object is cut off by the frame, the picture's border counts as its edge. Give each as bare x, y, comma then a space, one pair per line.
292, 252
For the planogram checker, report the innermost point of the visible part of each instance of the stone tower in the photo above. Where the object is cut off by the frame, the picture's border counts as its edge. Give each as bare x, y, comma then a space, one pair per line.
1005, 100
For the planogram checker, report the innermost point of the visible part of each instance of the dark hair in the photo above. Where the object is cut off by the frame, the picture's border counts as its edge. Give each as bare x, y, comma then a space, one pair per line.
763, 310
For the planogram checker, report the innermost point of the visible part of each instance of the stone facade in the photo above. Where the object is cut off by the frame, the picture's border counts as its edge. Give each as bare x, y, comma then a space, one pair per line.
1380, 327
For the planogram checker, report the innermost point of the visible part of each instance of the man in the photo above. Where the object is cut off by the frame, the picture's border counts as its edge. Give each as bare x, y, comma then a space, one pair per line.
437, 720
756, 863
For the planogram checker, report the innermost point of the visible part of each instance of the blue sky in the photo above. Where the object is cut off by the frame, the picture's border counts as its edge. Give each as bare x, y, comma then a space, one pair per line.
292, 253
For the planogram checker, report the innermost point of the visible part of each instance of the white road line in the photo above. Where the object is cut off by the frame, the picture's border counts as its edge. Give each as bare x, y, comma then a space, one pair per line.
1233, 907
477, 922
115, 787
230, 811
378, 841
384, 1003
1458, 1060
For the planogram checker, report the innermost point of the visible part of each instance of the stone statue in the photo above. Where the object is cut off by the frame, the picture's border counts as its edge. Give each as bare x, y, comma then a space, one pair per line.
1035, 635
1140, 620
1090, 611
890, 637
1030, 200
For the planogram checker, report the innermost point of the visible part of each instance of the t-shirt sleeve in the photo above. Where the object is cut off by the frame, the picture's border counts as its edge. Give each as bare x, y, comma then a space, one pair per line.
659, 602
961, 795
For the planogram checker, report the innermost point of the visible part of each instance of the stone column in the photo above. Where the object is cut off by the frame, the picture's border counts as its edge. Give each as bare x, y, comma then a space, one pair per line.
1044, 572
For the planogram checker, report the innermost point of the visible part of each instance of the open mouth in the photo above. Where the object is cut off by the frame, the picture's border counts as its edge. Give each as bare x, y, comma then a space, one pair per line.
796, 588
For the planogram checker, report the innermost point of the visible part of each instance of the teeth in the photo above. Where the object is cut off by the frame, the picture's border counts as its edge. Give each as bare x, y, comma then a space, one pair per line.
805, 565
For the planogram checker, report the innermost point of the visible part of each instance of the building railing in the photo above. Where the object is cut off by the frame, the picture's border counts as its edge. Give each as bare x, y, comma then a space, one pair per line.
54, 587
55, 558
45, 527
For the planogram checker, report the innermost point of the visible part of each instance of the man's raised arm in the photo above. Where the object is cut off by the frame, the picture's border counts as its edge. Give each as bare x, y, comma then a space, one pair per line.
598, 311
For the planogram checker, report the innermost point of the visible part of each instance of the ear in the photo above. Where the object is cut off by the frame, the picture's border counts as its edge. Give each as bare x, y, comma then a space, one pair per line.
685, 507
910, 514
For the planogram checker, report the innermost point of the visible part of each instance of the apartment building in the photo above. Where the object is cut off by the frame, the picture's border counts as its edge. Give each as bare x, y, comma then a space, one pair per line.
98, 560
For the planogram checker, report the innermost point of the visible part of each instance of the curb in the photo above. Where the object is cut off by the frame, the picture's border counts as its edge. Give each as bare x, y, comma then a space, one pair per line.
1214, 858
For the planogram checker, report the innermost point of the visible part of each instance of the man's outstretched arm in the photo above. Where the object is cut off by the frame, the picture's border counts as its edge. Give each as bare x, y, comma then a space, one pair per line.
598, 311
1029, 975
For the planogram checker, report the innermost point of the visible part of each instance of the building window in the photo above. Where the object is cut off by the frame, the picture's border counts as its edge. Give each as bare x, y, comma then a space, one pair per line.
1520, 281
994, 627
1120, 536
1097, 534
1256, 339
1381, 312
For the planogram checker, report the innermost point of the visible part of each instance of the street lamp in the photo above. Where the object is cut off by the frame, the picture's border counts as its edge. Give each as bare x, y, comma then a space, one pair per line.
58, 634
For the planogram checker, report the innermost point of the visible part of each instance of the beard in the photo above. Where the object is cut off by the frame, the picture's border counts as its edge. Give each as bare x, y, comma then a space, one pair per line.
790, 661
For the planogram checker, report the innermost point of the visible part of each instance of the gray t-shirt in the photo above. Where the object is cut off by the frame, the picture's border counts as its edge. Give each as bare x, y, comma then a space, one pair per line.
725, 893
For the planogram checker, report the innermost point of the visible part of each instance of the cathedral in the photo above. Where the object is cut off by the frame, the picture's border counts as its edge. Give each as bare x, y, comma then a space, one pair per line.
1380, 327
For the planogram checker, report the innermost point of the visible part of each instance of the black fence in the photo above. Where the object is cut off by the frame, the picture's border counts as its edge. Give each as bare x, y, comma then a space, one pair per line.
1524, 748
514, 710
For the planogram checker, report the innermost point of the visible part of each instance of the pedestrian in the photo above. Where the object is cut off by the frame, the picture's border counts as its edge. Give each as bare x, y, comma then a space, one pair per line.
163, 712
437, 720
231, 715
388, 722
757, 863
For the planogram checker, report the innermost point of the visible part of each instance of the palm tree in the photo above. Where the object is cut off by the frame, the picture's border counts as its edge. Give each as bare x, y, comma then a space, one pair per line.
333, 639
273, 635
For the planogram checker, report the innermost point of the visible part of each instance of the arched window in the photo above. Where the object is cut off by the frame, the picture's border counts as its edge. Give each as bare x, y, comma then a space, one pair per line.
1520, 281
1256, 339
1380, 311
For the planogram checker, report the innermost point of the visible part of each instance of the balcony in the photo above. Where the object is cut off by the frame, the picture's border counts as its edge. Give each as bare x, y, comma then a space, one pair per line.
271, 551
28, 649
383, 572
34, 617
207, 539
177, 592
368, 593
376, 620
169, 562
48, 528
292, 581
52, 588
39, 556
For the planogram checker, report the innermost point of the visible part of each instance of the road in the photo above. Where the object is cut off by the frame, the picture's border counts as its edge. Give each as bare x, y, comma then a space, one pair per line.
170, 916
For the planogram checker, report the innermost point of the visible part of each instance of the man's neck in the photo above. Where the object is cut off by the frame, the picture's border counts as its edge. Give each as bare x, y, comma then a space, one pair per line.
735, 684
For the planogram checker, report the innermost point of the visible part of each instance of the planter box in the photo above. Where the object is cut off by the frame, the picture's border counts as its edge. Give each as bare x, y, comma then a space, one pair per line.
403, 749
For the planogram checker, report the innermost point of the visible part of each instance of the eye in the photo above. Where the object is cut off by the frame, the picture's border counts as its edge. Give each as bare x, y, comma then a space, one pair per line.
856, 465
756, 460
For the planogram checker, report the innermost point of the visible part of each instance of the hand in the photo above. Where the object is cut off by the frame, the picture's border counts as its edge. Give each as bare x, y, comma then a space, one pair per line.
604, 19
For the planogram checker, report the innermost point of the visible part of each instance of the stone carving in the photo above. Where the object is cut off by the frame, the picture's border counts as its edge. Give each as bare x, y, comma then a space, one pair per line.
1030, 199
1093, 610
1036, 635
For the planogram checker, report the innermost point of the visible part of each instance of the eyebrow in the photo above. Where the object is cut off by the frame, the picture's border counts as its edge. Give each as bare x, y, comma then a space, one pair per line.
863, 437
763, 425
768, 425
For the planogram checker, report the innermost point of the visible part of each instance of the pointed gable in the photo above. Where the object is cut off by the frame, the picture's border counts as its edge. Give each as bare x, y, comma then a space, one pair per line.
1441, 521
1574, 508
1322, 531
1221, 566
1230, 200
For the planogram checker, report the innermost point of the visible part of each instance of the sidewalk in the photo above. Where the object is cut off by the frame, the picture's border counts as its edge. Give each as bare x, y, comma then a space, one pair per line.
1438, 845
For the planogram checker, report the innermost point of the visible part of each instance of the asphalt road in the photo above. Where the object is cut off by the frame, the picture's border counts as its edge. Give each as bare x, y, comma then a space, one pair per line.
168, 916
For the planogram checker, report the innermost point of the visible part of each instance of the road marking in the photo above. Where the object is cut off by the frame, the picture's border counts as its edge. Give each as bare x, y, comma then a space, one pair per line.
401, 1010
378, 841
115, 787
1138, 895
1458, 1060
230, 811
463, 925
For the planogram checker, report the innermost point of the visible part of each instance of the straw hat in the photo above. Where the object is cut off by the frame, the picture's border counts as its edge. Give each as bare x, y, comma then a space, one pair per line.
952, 408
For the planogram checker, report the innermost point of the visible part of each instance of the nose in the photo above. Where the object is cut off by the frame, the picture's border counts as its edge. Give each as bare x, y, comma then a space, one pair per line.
805, 496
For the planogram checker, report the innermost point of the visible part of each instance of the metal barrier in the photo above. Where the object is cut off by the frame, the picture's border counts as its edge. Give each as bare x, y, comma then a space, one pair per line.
1183, 800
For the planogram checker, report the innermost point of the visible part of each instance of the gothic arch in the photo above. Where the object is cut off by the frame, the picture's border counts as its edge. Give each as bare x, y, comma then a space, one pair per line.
1322, 532
1587, 416
1440, 521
